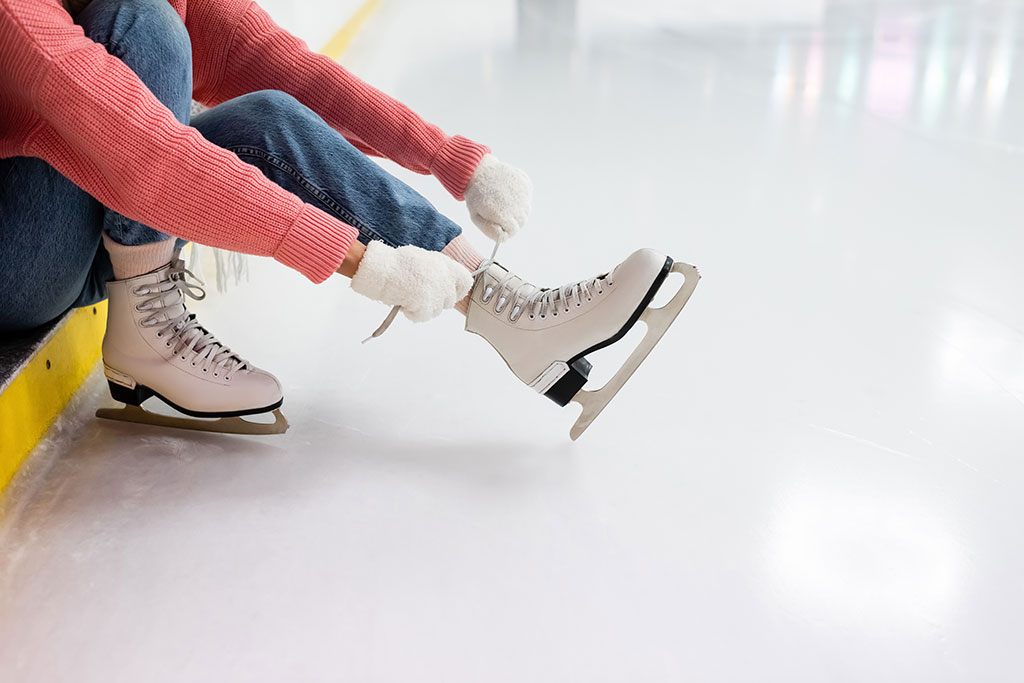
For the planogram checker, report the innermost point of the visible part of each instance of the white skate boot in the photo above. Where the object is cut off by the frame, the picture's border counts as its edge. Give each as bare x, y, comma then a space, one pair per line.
544, 335
154, 347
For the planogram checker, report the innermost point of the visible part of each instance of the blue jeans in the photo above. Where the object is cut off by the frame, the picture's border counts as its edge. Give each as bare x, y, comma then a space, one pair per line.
52, 257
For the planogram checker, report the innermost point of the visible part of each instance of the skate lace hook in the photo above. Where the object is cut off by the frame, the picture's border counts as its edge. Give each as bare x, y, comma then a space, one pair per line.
189, 335
177, 275
539, 299
382, 328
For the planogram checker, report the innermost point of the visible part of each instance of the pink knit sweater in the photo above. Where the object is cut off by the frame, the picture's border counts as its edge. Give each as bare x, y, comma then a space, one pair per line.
64, 99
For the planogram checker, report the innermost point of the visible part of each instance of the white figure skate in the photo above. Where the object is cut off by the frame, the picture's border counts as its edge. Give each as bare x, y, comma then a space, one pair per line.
154, 347
544, 335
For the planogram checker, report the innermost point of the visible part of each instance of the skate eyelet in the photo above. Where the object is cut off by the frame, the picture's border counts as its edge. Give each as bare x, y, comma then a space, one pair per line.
216, 375
206, 369
167, 344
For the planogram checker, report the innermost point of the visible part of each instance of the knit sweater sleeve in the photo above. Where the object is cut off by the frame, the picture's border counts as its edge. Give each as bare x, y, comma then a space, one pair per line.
260, 55
102, 128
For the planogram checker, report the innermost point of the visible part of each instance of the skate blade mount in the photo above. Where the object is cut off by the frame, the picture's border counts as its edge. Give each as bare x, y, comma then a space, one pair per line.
658, 321
222, 425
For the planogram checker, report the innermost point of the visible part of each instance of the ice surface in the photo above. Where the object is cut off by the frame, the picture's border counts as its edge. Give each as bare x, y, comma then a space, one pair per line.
816, 476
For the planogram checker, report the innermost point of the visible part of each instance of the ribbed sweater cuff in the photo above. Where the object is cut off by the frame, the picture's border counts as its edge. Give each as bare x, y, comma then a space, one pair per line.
455, 162
316, 244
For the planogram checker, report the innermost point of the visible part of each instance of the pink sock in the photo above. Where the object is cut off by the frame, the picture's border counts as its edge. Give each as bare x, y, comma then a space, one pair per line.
459, 249
129, 262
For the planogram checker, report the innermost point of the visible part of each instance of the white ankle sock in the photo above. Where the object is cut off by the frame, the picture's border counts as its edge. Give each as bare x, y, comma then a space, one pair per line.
132, 261
460, 250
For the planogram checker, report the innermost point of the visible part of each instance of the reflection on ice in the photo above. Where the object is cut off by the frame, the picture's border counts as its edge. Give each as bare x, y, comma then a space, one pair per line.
871, 560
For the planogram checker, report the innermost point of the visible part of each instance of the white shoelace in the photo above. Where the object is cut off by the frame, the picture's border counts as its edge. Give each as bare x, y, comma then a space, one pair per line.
183, 331
541, 301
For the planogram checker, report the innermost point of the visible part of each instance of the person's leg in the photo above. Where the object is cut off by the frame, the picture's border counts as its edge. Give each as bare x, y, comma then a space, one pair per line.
296, 149
49, 225
50, 258
153, 345
150, 38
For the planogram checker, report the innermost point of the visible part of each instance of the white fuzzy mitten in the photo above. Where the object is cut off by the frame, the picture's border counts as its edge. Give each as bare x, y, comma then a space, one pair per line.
423, 283
498, 198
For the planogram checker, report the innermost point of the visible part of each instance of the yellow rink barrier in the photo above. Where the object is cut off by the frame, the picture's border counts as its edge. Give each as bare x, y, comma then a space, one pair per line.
340, 41
35, 397
39, 392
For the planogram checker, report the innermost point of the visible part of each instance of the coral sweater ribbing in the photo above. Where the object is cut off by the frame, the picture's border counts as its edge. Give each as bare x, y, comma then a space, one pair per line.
65, 100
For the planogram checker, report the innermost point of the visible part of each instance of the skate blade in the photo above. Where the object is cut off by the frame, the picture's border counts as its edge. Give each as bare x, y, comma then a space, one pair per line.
658, 321
222, 425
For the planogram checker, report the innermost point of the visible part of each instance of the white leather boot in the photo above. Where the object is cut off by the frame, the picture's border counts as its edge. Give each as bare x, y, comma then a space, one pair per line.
154, 347
544, 335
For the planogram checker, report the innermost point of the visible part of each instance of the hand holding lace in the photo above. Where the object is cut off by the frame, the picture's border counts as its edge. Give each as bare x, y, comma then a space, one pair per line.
422, 283
498, 198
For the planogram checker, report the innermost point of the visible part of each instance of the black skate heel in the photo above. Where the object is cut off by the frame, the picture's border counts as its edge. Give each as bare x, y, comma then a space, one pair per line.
570, 383
132, 397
